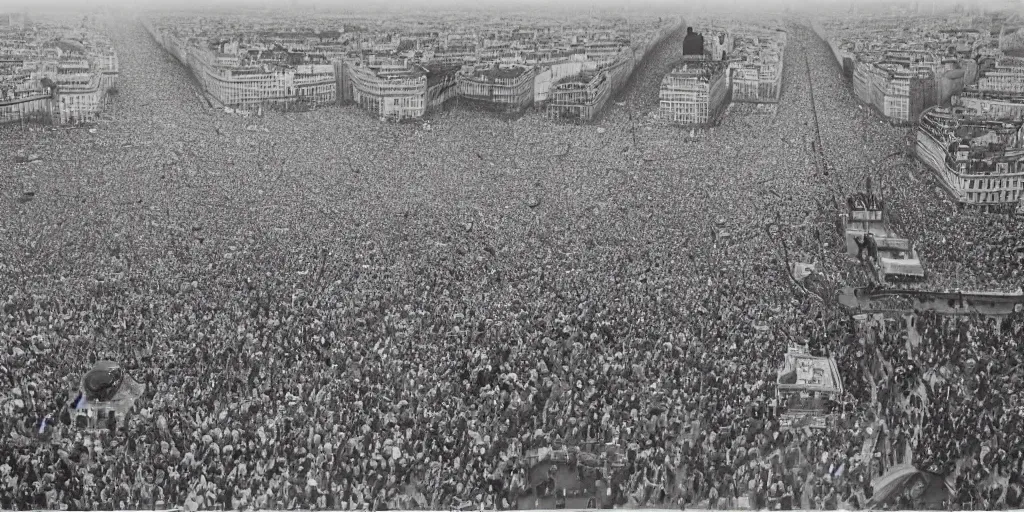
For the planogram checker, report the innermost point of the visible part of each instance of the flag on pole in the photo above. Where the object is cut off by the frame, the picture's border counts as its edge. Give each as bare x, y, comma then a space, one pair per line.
80, 402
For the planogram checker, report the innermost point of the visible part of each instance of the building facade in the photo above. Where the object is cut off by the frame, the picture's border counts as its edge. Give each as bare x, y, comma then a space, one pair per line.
755, 73
999, 93
551, 73
889, 54
241, 86
760, 83
746, 85
230, 77
79, 98
582, 95
579, 98
442, 87
55, 80
695, 93
108, 68
1006, 77
508, 89
315, 84
978, 161
391, 90
718, 42
32, 106
991, 105
898, 93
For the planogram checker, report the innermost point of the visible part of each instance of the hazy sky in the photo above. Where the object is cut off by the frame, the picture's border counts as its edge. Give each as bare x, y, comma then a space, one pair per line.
683, 5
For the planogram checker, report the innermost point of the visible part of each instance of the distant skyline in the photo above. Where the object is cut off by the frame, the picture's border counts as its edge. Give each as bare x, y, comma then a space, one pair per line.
745, 6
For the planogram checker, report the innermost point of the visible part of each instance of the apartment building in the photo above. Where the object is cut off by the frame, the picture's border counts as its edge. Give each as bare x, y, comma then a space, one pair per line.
898, 93
579, 98
26, 106
603, 51
695, 93
45, 77
236, 76
79, 97
992, 105
507, 89
999, 93
718, 42
551, 73
1007, 76
977, 160
108, 67
389, 89
511, 64
442, 87
315, 84
756, 65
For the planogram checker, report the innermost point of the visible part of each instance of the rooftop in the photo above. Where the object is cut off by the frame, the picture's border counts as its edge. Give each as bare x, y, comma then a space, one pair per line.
499, 72
804, 371
962, 116
700, 69
396, 71
974, 92
580, 79
437, 72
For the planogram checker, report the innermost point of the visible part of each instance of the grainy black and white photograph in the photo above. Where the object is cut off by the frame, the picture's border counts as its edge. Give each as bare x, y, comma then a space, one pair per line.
477, 255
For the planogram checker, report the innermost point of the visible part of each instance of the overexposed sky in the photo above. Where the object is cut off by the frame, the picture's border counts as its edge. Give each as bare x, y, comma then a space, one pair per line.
683, 4
397, 5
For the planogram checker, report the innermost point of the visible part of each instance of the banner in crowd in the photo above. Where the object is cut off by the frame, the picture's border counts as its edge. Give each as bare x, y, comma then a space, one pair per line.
868, 448
798, 421
802, 270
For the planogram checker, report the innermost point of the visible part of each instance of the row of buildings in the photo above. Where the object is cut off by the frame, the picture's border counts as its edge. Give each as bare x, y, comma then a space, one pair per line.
975, 145
235, 73
568, 73
950, 77
901, 66
53, 70
741, 64
979, 160
755, 64
998, 91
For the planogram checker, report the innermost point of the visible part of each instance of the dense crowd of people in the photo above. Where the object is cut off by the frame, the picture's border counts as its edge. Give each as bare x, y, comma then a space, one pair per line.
336, 313
976, 418
949, 386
